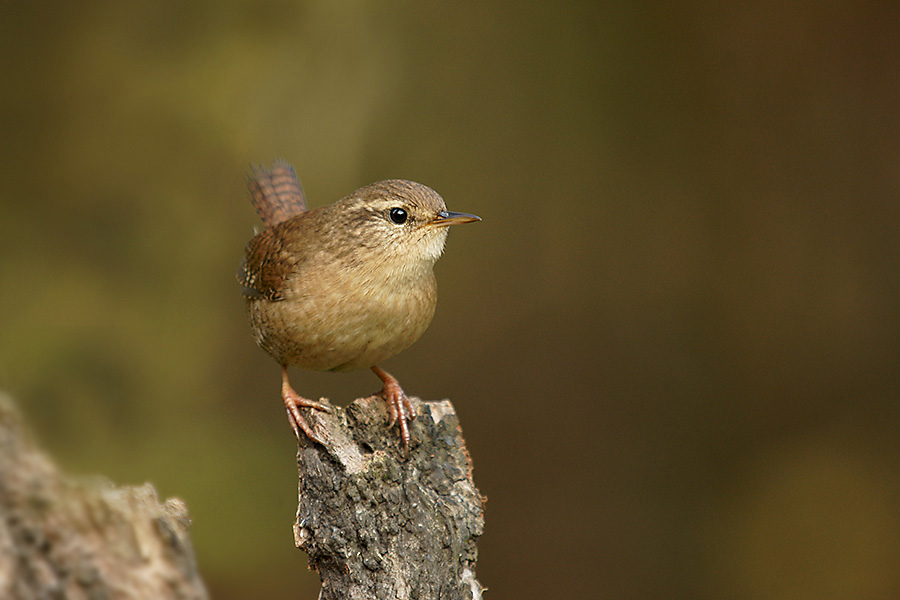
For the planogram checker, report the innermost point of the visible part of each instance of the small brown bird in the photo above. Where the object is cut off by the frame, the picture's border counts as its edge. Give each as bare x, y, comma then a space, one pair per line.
344, 286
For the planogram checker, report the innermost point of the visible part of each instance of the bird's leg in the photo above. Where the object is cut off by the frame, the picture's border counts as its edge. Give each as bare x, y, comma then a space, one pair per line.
399, 407
292, 403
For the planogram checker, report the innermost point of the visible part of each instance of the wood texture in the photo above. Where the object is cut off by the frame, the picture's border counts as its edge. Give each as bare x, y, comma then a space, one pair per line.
62, 537
377, 524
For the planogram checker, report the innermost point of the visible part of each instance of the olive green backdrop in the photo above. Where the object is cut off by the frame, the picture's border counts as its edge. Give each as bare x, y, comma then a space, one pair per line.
674, 341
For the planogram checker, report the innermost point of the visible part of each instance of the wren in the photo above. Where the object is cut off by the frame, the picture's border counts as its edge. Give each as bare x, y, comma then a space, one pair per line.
345, 286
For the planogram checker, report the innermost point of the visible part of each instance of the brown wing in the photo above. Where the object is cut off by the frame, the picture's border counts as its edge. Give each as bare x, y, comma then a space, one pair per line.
265, 267
276, 194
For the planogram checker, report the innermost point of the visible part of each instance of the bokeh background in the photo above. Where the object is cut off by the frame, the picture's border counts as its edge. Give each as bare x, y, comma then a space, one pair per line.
674, 340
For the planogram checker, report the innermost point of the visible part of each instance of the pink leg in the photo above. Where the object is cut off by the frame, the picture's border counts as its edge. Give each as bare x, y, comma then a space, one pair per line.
399, 406
292, 403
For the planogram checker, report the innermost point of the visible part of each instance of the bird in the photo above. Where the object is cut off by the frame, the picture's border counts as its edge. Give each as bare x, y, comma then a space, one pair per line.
344, 286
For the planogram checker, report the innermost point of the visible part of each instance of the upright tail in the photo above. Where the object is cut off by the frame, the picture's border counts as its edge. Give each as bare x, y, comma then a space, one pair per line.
276, 194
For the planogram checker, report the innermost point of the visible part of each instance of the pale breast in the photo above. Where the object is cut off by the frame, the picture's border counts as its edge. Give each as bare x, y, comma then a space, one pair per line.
344, 321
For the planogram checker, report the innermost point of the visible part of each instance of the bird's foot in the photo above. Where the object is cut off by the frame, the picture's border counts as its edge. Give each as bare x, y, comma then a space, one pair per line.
293, 402
400, 409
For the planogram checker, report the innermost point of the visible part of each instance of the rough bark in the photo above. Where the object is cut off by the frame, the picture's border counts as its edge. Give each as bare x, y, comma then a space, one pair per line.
378, 524
62, 537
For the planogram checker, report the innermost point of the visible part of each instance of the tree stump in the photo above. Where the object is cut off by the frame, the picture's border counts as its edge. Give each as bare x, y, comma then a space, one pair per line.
377, 523
62, 537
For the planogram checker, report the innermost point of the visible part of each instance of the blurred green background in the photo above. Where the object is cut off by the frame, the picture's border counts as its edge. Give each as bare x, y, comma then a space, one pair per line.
674, 341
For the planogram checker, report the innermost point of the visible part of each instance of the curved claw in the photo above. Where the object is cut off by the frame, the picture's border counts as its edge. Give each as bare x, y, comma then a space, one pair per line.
292, 404
400, 409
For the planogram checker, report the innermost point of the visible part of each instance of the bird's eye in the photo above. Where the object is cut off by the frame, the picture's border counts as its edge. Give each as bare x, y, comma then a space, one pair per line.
398, 215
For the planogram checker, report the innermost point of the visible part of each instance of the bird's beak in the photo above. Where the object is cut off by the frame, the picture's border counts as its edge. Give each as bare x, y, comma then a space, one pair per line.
445, 219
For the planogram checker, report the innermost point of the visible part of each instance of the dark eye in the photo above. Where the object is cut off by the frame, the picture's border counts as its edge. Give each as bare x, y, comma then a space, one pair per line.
398, 215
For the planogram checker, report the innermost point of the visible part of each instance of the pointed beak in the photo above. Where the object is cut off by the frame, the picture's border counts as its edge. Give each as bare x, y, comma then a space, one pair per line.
446, 218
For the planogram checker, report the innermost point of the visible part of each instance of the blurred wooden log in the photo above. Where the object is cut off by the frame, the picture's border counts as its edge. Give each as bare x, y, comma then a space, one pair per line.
62, 537
376, 524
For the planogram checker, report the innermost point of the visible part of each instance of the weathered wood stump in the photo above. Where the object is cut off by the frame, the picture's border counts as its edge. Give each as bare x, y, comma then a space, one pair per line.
63, 537
377, 523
